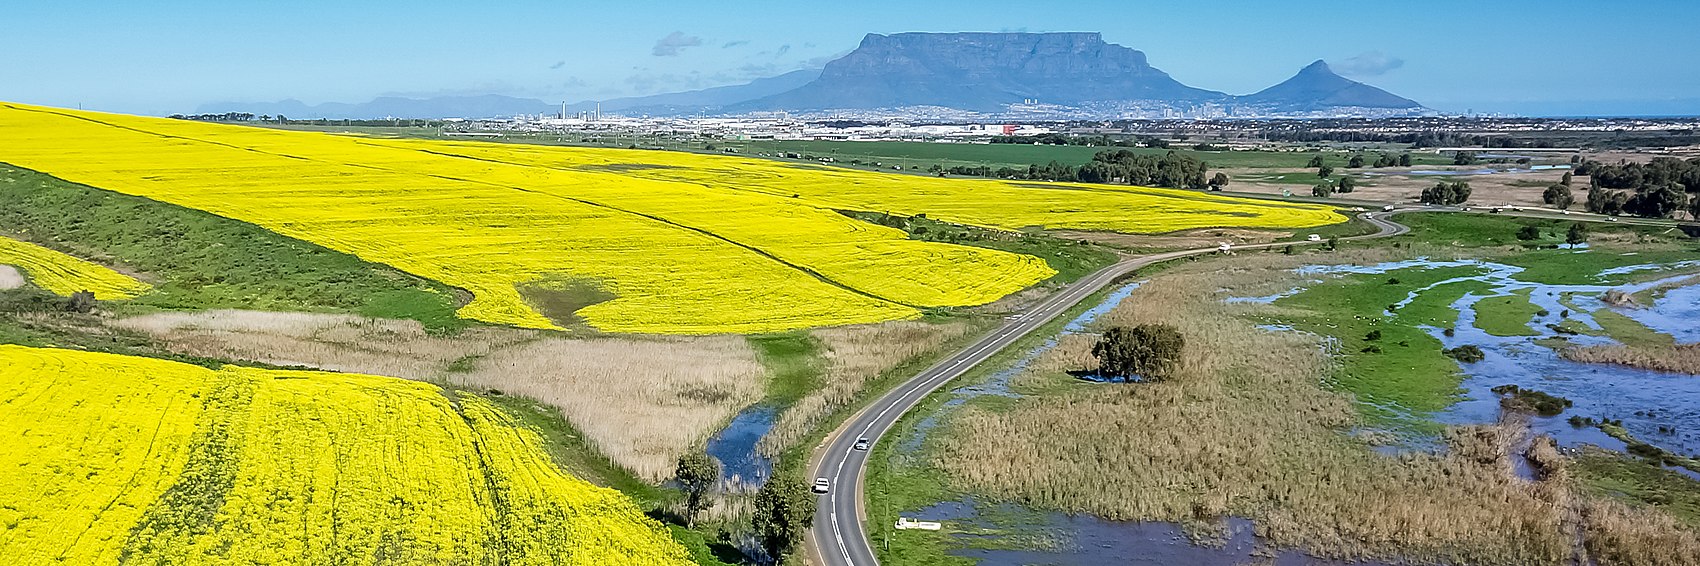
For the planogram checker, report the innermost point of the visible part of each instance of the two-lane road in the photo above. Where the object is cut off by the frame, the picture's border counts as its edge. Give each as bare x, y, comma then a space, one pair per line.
838, 537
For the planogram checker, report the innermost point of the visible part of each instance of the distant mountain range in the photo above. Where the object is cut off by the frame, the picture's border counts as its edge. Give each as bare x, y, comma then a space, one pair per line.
966, 75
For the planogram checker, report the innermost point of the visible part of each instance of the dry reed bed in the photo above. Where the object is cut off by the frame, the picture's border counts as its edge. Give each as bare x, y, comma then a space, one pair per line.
854, 356
641, 402
1246, 429
1682, 358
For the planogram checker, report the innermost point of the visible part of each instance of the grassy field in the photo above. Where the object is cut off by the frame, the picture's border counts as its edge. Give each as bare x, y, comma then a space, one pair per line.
1616, 476
781, 257
198, 260
1509, 315
251, 465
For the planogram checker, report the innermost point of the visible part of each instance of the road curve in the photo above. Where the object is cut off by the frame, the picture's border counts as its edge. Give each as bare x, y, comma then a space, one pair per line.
837, 537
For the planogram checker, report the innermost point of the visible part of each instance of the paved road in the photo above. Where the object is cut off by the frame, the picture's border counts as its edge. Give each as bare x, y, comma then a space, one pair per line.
838, 538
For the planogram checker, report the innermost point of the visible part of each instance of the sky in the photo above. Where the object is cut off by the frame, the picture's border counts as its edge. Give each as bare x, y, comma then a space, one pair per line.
1530, 57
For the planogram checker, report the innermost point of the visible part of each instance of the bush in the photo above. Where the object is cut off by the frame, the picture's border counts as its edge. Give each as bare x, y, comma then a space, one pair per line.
1468, 354
1149, 351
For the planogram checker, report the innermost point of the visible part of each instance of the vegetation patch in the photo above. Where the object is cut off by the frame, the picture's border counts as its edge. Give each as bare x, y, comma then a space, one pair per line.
1508, 315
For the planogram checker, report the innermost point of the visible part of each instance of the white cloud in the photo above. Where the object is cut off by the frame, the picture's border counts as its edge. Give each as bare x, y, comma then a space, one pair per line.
674, 43
1367, 64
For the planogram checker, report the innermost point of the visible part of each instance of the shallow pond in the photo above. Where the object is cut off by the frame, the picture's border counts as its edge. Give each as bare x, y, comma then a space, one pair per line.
1659, 408
735, 447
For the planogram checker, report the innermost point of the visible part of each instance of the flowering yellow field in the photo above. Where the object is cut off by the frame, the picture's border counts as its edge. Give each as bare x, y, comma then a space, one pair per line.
138, 460
62, 274
684, 243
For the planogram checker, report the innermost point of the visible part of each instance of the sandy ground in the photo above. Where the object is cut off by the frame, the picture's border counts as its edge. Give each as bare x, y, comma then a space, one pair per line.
1390, 185
10, 278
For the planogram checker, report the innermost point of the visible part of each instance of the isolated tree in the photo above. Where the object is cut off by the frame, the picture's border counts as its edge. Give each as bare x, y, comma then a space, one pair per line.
1322, 190
1325, 171
1315, 161
1529, 233
697, 474
1464, 158
1355, 162
1578, 234
1219, 180
1566, 179
1558, 196
1149, 351
1405, 160
784, 511
1347, 184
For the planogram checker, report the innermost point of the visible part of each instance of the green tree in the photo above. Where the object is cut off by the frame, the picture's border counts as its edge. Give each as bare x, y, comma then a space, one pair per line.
1347, 185
80, 302
1149, 351
1315, 161
1325, 171
784, 511
1464, 158
697, 474
1558, 196
1566, 179
1405, 160
1578, 234
1219, 180
1355, 162
1447, 193
1324, 189
1529, 233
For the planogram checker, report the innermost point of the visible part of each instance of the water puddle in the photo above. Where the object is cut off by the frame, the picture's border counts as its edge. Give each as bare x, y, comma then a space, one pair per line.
1076, 539
741, 466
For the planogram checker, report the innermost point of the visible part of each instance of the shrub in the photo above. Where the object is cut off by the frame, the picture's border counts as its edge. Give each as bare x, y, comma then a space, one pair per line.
1468, 354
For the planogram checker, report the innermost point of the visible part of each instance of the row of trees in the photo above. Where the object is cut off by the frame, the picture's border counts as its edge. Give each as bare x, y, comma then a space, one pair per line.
1172, 170
1661, 188
1447, 193
1358, 160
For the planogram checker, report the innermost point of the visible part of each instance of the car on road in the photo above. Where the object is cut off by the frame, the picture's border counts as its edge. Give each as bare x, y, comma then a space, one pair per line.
821, 485
861, 444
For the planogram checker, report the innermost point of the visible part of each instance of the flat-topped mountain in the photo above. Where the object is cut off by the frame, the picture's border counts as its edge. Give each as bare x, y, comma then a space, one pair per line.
1023, 76
983, 72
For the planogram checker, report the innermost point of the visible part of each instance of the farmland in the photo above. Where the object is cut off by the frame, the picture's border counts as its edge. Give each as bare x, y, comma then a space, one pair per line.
63, 275
618, 240
270, 466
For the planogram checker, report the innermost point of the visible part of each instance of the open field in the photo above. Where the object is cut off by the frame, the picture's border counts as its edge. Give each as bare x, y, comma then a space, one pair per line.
63, 275
1246, 429
266, 466
721, 251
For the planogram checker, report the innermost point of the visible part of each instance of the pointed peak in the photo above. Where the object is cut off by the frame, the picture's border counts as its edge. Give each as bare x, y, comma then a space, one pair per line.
1319, 66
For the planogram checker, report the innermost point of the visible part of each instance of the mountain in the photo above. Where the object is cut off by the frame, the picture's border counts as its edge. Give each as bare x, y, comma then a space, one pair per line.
1316, 87
493, 105
982, 72
393, 107
705, 100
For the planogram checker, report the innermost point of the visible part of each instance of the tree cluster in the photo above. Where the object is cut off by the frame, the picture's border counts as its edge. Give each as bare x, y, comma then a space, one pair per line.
784, 511
1122, 166
1447, 193
1657, 189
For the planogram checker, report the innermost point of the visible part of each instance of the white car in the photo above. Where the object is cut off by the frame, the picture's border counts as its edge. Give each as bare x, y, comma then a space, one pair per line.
861, 444
821, 485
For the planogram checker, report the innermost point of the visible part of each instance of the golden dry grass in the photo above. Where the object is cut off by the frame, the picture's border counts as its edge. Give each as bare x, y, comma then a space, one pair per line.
1682, 358
642, 403
854, 356
1246, 429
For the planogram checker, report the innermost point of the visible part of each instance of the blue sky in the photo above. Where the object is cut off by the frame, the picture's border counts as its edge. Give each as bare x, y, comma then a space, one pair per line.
163, 56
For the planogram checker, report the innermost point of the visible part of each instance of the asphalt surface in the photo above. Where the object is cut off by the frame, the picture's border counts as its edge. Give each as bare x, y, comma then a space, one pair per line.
838, 537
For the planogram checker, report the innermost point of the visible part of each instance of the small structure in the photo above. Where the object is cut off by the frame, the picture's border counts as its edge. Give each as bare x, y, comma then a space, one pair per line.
905, 523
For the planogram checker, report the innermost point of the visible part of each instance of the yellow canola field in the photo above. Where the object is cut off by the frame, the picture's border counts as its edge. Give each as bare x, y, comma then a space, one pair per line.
145, 461
685, 243
63, 275
1010, 205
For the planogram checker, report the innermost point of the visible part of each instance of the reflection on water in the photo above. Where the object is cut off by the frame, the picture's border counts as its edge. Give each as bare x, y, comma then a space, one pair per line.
735, 447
